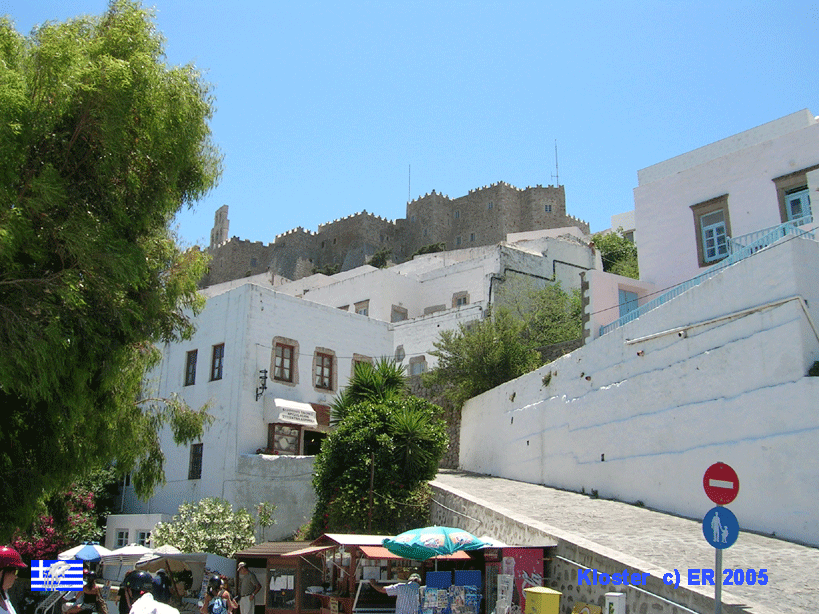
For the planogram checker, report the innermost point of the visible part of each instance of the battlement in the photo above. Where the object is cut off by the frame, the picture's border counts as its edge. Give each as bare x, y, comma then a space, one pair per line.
293, 231
353, 216
428, 195
239, 243
482, 217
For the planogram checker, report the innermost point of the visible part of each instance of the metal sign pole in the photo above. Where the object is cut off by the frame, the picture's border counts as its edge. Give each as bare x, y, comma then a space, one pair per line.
718, 581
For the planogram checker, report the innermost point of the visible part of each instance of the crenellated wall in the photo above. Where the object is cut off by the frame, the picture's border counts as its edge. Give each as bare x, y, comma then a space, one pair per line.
484, 216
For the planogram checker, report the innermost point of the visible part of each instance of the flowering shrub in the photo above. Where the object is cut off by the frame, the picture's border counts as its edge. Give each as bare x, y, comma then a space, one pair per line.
210, 525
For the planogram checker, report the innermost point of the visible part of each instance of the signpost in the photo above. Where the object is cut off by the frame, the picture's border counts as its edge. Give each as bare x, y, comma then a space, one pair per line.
720, 527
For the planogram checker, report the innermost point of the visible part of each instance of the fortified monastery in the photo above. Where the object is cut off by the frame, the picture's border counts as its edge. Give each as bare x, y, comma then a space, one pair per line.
485, 216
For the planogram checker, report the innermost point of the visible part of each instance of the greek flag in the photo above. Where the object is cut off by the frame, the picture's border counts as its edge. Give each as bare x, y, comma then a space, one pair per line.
56, 575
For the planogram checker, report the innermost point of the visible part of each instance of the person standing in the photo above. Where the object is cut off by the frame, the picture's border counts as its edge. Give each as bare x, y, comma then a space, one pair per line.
407, 594
248, 587
10, 564
162, 586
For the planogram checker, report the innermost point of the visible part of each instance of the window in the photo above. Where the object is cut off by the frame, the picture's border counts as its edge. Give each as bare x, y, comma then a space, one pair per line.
195, 465
217, 361
283, 362
491, 205
122, 537
324, 370
253, 262
793, 195
400, 354
190, 368
425, 232
797, 203
460, 298
471, 236
144, 538
547, 208
712, 229
457, 214
418, 365
398, 314
362, 308
714, 236
282, 593
457, 241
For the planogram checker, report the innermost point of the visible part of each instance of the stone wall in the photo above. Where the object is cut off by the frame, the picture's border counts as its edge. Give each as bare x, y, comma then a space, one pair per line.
484, 216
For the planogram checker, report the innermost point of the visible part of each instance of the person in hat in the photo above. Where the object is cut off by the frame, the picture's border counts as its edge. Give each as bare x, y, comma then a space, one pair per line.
10, 564
407, 594
248, 586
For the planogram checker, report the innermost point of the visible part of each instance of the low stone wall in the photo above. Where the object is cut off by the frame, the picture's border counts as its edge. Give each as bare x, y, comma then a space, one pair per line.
570, 555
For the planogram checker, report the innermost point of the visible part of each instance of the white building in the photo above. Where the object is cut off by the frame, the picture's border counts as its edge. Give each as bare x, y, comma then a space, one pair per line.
717, 370
307, 351
299, 341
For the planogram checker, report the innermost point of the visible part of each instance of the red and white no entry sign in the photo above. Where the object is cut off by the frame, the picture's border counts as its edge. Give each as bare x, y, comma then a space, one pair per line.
721, 483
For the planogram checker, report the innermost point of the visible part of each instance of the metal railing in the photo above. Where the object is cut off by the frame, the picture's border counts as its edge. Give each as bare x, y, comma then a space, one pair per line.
771, 234
754, 242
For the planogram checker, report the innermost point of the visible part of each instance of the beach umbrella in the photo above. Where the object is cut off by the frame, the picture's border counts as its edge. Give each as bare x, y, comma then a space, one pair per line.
425, 543
89, 552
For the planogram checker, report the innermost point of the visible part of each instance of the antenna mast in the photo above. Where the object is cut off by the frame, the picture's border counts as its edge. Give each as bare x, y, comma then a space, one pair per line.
409, 183
556, 175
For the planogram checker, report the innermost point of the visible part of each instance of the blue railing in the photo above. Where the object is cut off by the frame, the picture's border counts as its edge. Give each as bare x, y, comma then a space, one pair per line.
753, 243
773, 233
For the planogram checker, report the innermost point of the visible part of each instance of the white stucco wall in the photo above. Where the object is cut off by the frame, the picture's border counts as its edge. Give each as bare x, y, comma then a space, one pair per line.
604, 298
742, 166
642, 421
133, 523
246, 319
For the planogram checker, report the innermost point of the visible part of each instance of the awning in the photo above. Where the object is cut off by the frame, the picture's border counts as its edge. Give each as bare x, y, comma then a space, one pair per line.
380, 552
310, 550
294, 412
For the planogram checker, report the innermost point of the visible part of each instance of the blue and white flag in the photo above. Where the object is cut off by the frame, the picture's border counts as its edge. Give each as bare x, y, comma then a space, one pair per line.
56, 575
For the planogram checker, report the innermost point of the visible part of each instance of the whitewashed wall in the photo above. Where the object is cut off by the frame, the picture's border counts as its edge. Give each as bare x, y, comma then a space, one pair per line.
133, 523
642, 421
246, 319
741, 166
604, 298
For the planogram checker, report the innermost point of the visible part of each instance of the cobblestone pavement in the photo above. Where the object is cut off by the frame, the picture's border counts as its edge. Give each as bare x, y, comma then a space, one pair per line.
663, 540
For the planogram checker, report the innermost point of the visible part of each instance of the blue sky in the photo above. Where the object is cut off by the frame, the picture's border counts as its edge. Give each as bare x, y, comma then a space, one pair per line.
322, 107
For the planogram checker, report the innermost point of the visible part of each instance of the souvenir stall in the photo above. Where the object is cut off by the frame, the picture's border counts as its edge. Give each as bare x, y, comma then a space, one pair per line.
508, 571
349, 562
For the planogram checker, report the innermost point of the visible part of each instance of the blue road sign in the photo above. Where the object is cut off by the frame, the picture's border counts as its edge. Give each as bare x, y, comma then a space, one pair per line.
720, 527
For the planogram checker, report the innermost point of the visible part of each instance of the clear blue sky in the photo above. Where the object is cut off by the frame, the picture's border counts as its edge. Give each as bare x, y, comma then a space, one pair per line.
323, 106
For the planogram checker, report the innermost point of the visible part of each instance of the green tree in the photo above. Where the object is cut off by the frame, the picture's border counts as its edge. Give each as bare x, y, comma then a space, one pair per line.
384, 381
385, 435
101, 143
480, 356
381, 258
397, 444
619, 254
210, 525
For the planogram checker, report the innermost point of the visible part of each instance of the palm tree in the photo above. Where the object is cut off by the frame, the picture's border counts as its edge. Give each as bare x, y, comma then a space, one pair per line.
384, 381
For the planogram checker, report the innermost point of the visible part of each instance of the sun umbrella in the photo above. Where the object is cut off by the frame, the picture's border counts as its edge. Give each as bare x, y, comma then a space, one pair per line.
422, 544
88, 551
